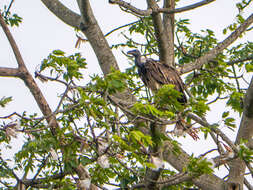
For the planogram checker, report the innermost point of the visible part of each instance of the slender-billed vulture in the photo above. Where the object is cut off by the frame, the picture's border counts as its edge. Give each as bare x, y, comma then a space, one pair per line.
154, 74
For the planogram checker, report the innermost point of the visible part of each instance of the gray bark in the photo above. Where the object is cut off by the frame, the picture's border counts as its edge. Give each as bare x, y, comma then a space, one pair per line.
238, 166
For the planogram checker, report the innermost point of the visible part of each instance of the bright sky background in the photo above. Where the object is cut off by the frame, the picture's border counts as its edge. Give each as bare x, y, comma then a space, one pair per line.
41, 32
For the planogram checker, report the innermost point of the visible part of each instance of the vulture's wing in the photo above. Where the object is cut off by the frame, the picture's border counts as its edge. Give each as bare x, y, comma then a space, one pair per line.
161, 74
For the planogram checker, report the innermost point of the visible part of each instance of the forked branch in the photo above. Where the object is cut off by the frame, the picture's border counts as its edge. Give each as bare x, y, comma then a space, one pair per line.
219, 48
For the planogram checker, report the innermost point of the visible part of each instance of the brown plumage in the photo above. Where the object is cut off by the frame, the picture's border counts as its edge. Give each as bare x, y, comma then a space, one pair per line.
154, 74
158, 74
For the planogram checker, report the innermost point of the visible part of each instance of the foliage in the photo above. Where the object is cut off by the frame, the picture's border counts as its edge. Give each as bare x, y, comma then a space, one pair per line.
11, 19
245, 153
93, 120
5, 100
198, 166
69, 66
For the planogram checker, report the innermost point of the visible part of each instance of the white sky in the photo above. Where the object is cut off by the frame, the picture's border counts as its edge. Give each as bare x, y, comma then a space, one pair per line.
41, 32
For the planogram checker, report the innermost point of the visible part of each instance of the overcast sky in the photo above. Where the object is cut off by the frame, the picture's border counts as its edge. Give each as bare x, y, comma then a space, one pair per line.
41, 32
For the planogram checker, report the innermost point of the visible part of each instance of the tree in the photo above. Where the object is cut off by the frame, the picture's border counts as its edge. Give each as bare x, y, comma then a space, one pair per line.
112, 131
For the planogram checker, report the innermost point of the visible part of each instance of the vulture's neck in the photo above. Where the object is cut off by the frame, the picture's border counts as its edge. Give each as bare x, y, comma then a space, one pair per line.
139, 60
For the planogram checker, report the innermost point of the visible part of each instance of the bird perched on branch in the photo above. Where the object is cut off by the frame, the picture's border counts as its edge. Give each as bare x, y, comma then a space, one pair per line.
155, 74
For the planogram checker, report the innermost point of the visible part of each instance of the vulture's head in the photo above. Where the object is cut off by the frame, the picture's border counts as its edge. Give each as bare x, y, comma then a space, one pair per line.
136, 53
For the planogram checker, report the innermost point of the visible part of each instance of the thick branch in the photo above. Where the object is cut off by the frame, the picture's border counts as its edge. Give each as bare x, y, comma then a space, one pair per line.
168, 22
179, 161
28, 79
160, 33
219, 48
245, 132
63, 13
9, 72
91, 29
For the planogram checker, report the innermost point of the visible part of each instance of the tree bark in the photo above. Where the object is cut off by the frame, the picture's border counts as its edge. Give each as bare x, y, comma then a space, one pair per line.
169, 22
238, 166
160, 33
9, 72
63, 13
92, 31
180, 161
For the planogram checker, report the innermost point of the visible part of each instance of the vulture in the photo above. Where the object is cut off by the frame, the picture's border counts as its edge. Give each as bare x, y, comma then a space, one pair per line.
154, 74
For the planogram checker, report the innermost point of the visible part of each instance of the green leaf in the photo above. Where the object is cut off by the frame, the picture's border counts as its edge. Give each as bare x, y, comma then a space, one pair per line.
230, 122
139, 138
5, 100
245, 153
200, 107
225, 114
235, 101
58, 52
198, 166
167, 97
249, 67
224, 31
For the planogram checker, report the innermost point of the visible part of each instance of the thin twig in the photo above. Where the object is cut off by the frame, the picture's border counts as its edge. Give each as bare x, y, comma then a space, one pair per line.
249, 58
9, 7
148, 12
120, 27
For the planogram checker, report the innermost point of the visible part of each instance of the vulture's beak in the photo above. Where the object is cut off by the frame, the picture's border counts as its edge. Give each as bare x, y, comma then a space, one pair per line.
131, 52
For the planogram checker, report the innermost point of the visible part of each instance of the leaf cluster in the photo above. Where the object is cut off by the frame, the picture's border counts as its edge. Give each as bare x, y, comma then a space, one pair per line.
11, 19
67, 66
4, 101
245, 153
112, 83
198, 166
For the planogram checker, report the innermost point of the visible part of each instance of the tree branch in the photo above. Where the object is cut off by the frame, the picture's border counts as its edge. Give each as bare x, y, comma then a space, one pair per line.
186, 8
237, 167
148, 12
214, 129
106, 59
9, 7
180, 160
63, 13
9, 72
240, 60
168, 23
34, 182
28, 79
160, 33
175, 179
132, 8
13, 44
92, 31
219, 48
